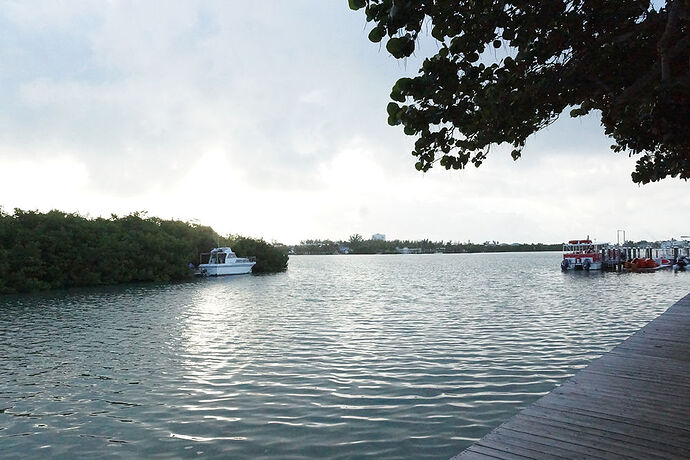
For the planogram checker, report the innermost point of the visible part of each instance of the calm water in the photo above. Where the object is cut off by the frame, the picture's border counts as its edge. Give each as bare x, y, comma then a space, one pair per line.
340, 357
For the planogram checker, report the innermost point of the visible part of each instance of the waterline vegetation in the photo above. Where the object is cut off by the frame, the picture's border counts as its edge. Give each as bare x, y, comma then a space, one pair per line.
50, 250
356, 244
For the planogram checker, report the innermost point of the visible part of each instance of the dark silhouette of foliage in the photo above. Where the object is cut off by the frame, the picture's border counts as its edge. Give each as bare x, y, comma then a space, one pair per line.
358, 245
269, 259
56, 249
507, 68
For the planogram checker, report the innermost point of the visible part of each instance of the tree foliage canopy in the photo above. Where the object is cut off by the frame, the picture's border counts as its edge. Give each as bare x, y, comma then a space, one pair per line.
627, 59
56, 249
358, 245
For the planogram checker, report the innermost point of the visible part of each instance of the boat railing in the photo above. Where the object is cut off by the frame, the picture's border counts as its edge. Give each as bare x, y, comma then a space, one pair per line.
208, 257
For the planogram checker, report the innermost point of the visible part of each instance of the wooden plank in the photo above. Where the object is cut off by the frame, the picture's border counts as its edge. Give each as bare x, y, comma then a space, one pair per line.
633, 402
588, 440
642, 435
597, 436
655, 369
658, 351
506, 450
548, 444
668, 328
675, 339
640, 389
641, 343
617, 413
654, 384
666, 324
537, 447
626, 408
607, 421
480, 452
657, 379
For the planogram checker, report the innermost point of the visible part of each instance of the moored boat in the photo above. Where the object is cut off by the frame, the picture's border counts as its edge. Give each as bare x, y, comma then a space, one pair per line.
222, 261
645, 264
581, 255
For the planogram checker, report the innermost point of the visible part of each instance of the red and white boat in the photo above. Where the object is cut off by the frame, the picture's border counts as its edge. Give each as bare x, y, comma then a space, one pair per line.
581, 255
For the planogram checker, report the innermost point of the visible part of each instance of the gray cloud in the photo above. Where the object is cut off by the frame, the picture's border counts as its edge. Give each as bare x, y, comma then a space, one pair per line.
287, 100
161, 83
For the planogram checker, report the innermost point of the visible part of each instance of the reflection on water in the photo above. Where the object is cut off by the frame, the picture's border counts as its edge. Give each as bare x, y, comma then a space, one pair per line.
360, 356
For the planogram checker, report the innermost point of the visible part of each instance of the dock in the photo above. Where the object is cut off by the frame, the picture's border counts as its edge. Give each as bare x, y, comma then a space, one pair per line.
633, 402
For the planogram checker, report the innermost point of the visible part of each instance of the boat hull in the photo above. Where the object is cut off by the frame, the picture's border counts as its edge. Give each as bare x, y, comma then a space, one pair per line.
592, 266
240, 268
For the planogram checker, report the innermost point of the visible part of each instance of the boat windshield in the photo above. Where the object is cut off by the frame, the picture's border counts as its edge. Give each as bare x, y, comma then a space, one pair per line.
580, 248
217, 258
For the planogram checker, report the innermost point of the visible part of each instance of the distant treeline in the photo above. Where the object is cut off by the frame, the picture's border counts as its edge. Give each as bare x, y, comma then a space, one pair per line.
56, 249
358, 245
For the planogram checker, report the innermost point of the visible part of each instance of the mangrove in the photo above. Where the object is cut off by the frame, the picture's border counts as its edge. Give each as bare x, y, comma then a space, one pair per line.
56, 249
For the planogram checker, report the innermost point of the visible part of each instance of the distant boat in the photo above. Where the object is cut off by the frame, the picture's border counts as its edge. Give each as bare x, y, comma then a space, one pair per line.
222, 261
581, 255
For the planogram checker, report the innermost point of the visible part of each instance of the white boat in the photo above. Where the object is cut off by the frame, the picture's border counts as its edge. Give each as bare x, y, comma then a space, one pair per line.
222, 261
581, 255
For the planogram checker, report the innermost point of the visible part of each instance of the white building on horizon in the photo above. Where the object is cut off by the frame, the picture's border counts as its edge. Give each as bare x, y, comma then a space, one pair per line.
378, 237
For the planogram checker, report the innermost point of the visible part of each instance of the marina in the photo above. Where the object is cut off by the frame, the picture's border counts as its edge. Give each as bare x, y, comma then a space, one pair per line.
589, 255
630, 403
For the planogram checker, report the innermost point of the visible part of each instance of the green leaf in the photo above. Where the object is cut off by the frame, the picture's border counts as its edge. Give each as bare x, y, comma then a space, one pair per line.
554, 50
376, 34
392, 108
437, 33
397, 96
356, 4
400, 47
403, 84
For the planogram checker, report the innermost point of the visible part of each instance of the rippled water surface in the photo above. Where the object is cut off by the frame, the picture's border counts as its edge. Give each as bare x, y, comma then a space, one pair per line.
342, 357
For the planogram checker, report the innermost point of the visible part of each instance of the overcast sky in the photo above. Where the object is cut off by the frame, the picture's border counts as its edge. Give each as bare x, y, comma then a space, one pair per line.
268, 119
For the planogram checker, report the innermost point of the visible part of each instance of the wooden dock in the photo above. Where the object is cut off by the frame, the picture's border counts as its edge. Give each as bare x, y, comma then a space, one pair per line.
633, 402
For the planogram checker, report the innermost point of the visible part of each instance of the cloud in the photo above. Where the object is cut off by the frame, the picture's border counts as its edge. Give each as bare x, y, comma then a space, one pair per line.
268, 119
168, 81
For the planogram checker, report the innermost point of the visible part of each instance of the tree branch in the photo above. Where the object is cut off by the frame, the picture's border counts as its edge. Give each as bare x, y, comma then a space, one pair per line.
665, 41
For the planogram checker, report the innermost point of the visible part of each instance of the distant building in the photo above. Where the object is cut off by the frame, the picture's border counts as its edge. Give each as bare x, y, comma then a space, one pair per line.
378, 237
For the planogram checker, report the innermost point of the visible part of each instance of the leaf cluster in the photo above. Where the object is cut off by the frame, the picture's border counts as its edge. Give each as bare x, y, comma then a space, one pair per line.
270, 258
507, 68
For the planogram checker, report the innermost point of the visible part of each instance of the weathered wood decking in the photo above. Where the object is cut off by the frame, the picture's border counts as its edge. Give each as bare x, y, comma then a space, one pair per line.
633, 402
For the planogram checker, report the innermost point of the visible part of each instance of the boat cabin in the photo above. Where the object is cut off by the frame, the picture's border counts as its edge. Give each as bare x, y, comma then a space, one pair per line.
222, 261
581, 255
219, 256
580, 247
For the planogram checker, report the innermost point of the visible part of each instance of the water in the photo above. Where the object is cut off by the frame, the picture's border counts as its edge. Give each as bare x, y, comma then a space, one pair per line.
341, 357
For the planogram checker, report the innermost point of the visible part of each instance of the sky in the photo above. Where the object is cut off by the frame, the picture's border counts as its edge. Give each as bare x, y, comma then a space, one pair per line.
268, 119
